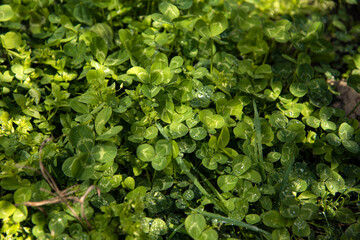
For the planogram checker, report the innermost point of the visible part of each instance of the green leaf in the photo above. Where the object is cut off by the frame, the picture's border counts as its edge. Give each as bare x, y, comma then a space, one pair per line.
198, 133
223, 138
145, 152
6, 13
99, 49
278, 120
195, 225
227, 182
82, 138
129, 183
159, 162
158, 227
117, 58
163, 147
332, 139
252, 176
101, 119
346, 131
80, 166
81, 13
281, 234
141, 74
57, 224
241, 164
289, 208
149, 90
313, 122
20, 214
301, 228
151, 132
202, 28
178, 130
176, 62
6, 208
252, 218
298, 89
11, 40
104, 153
209, 234
163, 183
354, 82
109, 133
351, 146
22, 194
218, 25
305, 73
309, 211
273, 219
79, 106
345, 215
169, 10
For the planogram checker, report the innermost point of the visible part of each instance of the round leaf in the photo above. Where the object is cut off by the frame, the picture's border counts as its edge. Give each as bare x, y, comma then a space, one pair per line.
346, 131
169, 10
227, 182
289, 208
298, 89
252, 218
6, 209
351, 146
145, 152
198, 133
57, 225
345, 215
281, 234
159, 162
22, 194
82, 138
218, 25
195, 225
273, 219
309, 211
209, 234
301, 228
202, 28
20, 214
104, 153
158, 227
241, 164
6, 13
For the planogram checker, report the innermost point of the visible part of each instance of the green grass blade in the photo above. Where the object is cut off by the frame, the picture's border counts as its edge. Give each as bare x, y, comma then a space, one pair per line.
258, 146
196, 182
234, 222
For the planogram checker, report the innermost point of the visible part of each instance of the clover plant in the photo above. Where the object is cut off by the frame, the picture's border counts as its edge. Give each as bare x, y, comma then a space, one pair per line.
178, 119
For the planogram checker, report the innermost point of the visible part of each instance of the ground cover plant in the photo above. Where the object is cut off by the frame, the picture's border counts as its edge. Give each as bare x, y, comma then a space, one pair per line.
179, 119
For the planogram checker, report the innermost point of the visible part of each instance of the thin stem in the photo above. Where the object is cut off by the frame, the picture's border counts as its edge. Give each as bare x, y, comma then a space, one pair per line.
176, 230
353, 110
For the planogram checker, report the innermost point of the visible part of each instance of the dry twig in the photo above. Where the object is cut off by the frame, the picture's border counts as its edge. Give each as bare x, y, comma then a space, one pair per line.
60, 196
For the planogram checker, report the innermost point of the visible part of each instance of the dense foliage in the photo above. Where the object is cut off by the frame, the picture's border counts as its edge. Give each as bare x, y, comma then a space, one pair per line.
178, 119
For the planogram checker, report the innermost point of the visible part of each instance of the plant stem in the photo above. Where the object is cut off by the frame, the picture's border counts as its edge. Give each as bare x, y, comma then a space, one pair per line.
353, 110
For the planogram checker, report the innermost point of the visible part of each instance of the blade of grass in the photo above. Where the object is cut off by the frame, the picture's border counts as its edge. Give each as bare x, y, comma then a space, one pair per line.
196, 182
215, 191
258, 146
234, 222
